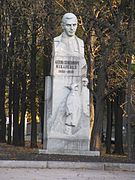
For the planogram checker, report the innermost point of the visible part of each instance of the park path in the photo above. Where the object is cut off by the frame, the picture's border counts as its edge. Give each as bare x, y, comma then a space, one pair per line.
63, 174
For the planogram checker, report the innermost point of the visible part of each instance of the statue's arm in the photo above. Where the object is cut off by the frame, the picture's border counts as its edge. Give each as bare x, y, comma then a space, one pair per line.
69, 108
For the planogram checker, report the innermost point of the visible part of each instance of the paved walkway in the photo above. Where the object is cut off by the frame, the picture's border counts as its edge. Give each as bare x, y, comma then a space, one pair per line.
63, 174
58, 170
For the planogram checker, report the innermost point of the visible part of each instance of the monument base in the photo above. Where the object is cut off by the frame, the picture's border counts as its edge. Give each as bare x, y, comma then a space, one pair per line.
67, 145
79, 153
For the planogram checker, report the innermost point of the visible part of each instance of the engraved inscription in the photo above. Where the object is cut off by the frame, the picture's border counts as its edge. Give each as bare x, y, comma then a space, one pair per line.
67, 66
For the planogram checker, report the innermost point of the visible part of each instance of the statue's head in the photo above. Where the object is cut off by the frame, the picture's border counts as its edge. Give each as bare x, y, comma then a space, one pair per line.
85, 82
69, 24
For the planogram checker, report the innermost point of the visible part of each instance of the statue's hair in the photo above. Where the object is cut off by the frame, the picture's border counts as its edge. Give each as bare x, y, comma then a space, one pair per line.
68, 16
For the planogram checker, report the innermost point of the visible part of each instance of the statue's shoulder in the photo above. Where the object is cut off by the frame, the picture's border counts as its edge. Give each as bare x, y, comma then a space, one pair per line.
80, 41
57, 39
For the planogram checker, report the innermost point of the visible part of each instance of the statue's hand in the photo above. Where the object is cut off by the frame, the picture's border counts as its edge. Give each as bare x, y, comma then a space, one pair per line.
68, 113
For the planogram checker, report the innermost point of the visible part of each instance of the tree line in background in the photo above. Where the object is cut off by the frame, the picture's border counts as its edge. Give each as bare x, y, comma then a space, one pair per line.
27, 29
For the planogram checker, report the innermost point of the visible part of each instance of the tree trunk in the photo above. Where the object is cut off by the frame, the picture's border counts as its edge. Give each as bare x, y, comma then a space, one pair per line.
16, 92
23, 78
90, 75
3, 72
10, 93
99, 112
9, 140
118, 122
33, 85
2, 110
133, 146
23, 111
109, 125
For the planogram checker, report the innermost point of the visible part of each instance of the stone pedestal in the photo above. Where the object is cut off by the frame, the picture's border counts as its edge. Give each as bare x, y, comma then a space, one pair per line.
68, 145
67, 122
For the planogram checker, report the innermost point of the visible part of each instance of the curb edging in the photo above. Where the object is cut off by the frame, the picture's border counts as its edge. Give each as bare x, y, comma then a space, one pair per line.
68, 165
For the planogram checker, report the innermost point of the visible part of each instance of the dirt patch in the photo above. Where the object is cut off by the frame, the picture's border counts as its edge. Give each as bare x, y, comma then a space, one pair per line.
10, 152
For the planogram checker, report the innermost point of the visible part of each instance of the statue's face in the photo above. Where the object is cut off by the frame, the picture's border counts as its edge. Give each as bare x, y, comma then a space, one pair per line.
85, 82
70, 26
